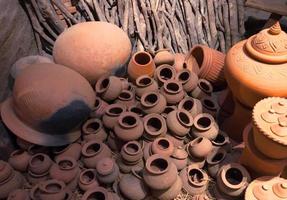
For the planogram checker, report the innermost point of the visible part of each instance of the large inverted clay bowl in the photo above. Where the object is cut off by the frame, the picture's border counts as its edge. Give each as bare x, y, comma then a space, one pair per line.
92, 49
49, 101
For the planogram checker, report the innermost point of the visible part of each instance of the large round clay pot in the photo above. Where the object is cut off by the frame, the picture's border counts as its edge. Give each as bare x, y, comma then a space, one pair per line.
52, 190
153, 102
173, 91
188, 79
145, 84
179, 122
108, 87
107, 171
163, 73
92, 49
140, 64
171, 192
93, 130
88, 180
204, 125
192, 105
163, 56
154, 126
112, 113
199, 147
39, 163
19, 160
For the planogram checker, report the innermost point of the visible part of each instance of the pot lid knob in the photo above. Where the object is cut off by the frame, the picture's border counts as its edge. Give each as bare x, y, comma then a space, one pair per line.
269, 45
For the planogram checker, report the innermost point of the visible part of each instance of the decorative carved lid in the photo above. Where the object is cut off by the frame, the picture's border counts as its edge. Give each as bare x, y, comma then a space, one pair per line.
269, 45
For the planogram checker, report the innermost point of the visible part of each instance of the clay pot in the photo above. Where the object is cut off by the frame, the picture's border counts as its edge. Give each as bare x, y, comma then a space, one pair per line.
169, 193
209, 105
108, 87
203, 89
107, 170
39, 164
162, 146
215, 160
173, 92
153, 102
140, 64
111, 115
163, 56
204, 125
99, 108
34, 179
199, 147
137, 110
145, 84
34, 149
232, 179
179, 158
88, 180
179, 122
163, 73
93, 152
127, 167
125, 83
129, 127
126, 98
97, 193
89, 61
132, 152
19, 194
178, 61
167, 110
23, 144
5, 171
52, 190
193, 106
19, 160
188, 80
132, 187
195, 181
197, 162
154, 126
159, 173
113, 142
13, 182
190, 63
93, 130
177, 141
222, 141
73, 150
210, 62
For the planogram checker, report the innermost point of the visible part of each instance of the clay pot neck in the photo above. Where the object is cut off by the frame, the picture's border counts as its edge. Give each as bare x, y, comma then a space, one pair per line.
157, 165
142, 58
184, 76
66, 164
203, 123
115, 111
128, 121
88, 177
132, 148
196, 177
154, 126
93, 149
144, 81
183, 118
150, 100
172, 87
233, 178
126, 95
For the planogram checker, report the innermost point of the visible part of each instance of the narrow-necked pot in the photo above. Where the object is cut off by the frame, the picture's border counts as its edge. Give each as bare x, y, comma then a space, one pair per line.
188, 79
153, 102
107, 171
145, 84
39, 163
73, 150
19, 160
127, 98
154, 126
88, 180
52, 190
162, 146
93, 129
111, 115
199, 147
192, 105
132, 152
203, 89
163, 73
108, 87
163, 56
204, 125
99, 108
173, 92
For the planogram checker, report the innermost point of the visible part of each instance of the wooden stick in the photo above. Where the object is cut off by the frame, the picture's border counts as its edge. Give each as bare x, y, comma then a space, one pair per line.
100, 15
226, 24
232, 4
126, 16
240, 11
198, 22
205, 21
211, 19
190, 18
87, 10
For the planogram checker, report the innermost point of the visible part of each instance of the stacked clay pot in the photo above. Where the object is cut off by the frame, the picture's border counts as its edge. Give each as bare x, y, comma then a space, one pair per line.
107, 171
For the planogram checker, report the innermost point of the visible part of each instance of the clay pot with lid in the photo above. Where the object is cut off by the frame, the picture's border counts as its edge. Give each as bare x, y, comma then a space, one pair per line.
195, 181
188, 79
232, 179
107, 170
73, 150
145, 84
126, 98
163, 56
93, 130
129, 127
19, 160
153, 102
209, 105
19, 194
52, 189
39, 164
215, 160
140, 64
179, 122
204, 125
199, 147
112, 113
159, 172
154, 126
192, 105
93, 152
108, 87
88, 180
162, 146
179, 158
99, 108
203, 89
132, 152
163, 73
173, 91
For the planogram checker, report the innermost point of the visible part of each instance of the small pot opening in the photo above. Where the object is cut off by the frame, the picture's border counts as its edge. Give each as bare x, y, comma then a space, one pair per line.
188, 105
219, 139
184, 118
209, 104
198, 140
97, 103
142, 58
159, 165
93, 148
151, 99
234, 176
217, 157
66, 164
195, 176
198, 55
129, 121
204, 86
116, 110
183, 76
93, 126
204, 122
166, 73
163, 144
17, 152
154, 124
38, 159
125, 96
53, 188
145, 81
88, 177
132, 148
104, 84
137, 111
173, 87
97, 196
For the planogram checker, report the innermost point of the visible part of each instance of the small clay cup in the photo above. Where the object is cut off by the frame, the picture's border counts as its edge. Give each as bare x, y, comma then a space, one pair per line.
173, 92
88, 180
162, 146
153, 102
19, 160
136, 109
111, 115
163, 73
93, 129
145, 84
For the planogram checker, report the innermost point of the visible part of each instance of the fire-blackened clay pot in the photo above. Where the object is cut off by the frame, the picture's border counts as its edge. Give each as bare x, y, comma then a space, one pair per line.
145, 84
163, 56
93, 129
153, 102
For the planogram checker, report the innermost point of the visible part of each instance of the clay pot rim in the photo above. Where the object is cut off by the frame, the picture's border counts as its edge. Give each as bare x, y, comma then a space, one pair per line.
200, 116
141, 114
67, 159
154, 157
44, 156
191, 121
184, 100
85, 171
142, 52
157, 140
99, 82
128, 114
89, 122
38, 175
138, 80
213, 154
144, 96
125, 148
106, 170
172, 81
277, 186
204, 176
100, 102
154, 116
210, 87
182, 157
226, 139
196, 140
162, 67
115, 105
43, 186
181, 72
89, 192
127, 92
17, 152
89, 144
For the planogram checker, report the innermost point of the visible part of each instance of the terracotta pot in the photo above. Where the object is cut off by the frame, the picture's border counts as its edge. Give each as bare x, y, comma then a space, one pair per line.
179, 122
199, 147
198, 162
114, 143
127, 98
107, 171
179, 158
93, 62
159, 173
93, 152
195, 181
73, 150
163, 73
210, 62
52, 190
132, 152
169, 193
19, 160
140, 64
108, 87
204, 125
179, 61
189, 62
209, 105
163, 56
5, 171
19, 194
188, 79
125, 83
167, 110
215, 160
99, 108
128, 167
23, 144
132, 187
162, 146
222, 141
137, 110
153, 102
173, 92
97, 193
178, 142
111, 115
39, 164
88, 180
192, 105
145, 84
13, 182
93, 130
232, 179
203, 89
154, 126
129, 127
34, 179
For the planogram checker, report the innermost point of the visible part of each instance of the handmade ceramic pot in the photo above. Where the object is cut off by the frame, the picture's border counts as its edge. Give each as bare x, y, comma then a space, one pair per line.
107, 171
129, 127
167, 110
93, 130
126, 98
13, 182
199, 147
73, 150
204, 125
222, 141
169, 193
163, 73
132, 152
88, 180
154, 126
145, 84
192, 105
163, 56
188, 79
39, 164
97, 193
173, 91
34, 179
209, 105
113, 142
179, 122
19, 160
186, 62
203, 89
153, 102
93, 151
179, 158
140, 64
99, 108
19, 194
159, 172
136, 109
179, 61
162, 146
52, 189
177, 141
215, 160
111, 115
108, 87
